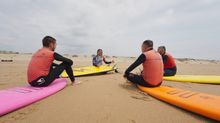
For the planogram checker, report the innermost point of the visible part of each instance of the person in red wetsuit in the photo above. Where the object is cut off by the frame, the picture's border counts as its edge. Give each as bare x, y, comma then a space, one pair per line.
41, 69
170, 68
152, 75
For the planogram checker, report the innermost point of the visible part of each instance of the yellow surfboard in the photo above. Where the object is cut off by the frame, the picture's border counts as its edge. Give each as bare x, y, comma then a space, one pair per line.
90, 70
195, 78
200, 103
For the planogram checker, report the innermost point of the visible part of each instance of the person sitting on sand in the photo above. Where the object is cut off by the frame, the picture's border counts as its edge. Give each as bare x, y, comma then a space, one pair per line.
42, 71
152, 75
168, 61
99, 59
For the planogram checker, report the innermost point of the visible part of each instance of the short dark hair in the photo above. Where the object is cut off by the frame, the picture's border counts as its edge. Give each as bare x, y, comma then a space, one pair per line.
149, 43
47, 40
99, 50
163, 47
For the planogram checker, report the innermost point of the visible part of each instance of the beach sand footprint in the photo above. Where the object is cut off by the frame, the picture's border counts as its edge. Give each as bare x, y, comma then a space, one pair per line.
143, 98
136, 93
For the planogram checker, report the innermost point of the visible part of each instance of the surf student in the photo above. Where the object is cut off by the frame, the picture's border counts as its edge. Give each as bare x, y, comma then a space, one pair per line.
170, 68
152, 75
99, 59
41, 69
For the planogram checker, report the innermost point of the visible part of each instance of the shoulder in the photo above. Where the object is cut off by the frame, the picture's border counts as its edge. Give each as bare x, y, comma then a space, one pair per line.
94, 57
168, 55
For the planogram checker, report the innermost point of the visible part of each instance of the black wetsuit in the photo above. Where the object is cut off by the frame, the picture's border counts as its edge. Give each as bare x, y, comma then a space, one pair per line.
137, 79
55, 72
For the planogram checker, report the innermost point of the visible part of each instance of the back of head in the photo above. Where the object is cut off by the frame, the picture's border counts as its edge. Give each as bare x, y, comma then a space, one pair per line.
47, 40
148, 43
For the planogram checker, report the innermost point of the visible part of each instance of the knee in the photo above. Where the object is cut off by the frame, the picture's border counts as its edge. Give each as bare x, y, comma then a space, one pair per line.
69, 63
130, 77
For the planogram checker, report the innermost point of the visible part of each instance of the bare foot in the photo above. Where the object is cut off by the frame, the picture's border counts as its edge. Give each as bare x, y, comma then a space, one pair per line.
76, 82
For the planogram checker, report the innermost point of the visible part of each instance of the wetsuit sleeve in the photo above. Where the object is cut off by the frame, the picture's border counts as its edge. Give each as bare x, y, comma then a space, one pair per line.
140, 60
54, 64
106, 62
59, 57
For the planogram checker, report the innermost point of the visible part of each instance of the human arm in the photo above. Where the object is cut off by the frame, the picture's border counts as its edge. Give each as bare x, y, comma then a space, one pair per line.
139, 61
59, 57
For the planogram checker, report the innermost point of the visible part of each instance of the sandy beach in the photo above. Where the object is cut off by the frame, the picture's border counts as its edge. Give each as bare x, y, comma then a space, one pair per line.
104, 98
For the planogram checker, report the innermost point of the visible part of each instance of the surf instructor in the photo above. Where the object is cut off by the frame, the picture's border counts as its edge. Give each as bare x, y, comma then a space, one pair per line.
99, 59
152, 75
41, 69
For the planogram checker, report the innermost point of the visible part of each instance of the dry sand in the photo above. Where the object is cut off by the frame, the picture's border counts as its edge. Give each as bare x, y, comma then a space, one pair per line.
104, 98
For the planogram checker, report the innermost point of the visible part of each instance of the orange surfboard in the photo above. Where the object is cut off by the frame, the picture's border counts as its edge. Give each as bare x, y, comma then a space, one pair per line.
200, 103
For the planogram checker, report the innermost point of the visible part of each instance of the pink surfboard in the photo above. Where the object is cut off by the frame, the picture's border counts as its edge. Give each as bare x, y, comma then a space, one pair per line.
14, 98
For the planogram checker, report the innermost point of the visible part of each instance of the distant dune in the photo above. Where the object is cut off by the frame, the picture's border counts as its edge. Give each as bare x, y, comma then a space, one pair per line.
8, 52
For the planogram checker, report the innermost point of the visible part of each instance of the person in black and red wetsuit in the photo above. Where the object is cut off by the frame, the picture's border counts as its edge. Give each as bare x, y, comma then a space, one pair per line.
41, 69
170, 68
152, 74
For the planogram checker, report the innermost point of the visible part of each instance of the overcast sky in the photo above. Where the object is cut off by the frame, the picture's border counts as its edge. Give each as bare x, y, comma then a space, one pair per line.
188, 28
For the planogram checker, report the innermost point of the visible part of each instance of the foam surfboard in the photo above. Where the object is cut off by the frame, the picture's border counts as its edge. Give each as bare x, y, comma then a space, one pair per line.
15, 98
194, 78
90, 70
200, 103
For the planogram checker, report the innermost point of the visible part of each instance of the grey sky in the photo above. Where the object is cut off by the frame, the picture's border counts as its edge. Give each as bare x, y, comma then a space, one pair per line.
189, 28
